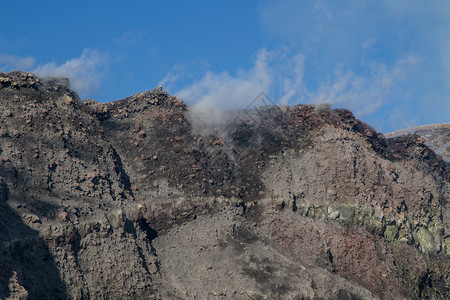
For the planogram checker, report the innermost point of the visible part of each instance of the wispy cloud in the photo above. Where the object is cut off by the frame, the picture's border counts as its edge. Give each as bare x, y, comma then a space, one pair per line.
10, 62
84, 72
354, 48
178, 72
364, 94
130, 37
368, 43
375, 59
215, 93
398, 119
281, 75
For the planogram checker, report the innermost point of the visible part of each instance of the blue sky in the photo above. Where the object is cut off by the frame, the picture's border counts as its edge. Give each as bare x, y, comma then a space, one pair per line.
387, 60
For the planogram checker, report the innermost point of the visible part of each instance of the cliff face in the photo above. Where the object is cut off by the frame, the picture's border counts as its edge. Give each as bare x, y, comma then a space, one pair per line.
125, 200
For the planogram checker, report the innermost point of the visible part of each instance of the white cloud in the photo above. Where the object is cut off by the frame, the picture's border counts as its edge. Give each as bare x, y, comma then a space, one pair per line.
292, 81
12, 62
281, 75
276, 71
84, 72
215, 93
178, 72
364, 94
370, 50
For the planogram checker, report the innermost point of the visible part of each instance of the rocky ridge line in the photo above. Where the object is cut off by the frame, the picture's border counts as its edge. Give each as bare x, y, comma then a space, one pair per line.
101, 195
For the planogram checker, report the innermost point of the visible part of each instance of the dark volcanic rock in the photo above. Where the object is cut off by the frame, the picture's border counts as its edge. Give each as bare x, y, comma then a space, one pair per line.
125, 200
436, 136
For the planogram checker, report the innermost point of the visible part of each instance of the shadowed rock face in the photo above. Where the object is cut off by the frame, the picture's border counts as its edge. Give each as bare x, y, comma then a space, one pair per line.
436, 136
125, 200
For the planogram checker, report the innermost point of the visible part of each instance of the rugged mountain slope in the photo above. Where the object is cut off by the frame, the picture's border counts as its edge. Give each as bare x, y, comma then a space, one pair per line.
437, 137
125, 200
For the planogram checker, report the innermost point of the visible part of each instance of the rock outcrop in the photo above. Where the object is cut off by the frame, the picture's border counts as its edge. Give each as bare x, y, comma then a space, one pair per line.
437, 137
125, 200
